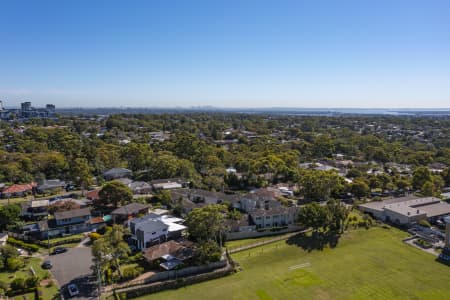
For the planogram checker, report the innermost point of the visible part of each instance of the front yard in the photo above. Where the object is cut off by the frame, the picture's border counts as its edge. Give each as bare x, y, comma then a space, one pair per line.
49, 291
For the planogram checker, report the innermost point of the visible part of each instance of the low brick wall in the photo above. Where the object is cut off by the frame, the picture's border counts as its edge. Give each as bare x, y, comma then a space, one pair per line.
136, 291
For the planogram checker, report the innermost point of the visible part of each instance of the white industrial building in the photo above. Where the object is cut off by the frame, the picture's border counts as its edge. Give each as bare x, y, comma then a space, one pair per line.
407, 210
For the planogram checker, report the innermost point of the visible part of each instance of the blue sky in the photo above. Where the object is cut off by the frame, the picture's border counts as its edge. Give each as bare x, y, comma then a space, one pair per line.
226, 53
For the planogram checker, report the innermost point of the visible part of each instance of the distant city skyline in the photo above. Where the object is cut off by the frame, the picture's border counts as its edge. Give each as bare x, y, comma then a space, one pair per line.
228, 54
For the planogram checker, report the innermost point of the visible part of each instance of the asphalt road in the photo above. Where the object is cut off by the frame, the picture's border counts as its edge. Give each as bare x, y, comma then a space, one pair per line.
74, 266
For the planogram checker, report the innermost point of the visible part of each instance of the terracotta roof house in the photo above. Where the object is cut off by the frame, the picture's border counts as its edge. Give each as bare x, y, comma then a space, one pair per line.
93, 195
18, 190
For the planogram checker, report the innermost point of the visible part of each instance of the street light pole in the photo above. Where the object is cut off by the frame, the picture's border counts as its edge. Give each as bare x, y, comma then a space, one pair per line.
99, 279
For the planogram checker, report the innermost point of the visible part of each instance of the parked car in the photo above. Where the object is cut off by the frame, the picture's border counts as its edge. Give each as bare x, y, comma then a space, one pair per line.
21, 251
73, 290
47, 265
59, 250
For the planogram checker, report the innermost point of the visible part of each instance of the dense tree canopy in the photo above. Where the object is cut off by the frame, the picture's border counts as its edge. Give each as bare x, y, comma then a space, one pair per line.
115, 192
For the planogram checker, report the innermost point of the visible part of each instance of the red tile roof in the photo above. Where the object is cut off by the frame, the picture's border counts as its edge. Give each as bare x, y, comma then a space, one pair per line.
19, 188
93, 195
96, 220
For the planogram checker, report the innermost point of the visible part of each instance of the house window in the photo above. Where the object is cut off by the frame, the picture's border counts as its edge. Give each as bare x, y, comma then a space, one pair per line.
267, 217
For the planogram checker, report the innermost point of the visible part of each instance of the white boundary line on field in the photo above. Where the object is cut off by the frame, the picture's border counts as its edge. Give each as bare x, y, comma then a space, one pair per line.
304, 265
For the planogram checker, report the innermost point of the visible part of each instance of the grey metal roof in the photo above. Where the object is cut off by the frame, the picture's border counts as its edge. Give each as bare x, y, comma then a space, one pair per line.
130, 208
72, 213
151, 225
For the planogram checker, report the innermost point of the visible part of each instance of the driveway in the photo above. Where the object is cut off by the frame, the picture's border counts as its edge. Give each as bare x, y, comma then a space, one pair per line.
74, 266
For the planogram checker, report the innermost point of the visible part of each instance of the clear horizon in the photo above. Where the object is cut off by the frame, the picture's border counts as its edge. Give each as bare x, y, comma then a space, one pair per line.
234, 54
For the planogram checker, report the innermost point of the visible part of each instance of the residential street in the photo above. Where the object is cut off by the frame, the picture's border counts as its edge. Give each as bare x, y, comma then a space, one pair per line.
74, 266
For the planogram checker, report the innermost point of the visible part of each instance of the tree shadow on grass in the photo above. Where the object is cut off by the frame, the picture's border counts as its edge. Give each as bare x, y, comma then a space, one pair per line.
315, 240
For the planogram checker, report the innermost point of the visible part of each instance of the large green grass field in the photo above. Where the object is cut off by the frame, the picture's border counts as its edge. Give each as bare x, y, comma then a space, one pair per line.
365, 264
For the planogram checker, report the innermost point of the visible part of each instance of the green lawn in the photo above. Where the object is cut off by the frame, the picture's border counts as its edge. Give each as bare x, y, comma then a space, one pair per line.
48, 292
366, 264
240, 243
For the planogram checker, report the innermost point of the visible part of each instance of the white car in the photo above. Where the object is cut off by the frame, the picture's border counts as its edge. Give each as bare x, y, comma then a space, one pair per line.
73, 290
21, 251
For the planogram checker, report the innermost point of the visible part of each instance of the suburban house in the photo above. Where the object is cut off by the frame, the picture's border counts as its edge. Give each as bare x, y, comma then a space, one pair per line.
407, 210
93, 195
148, 233
77, 203
192, 198
170, 254
35, 209
65, 222
3, 238
169, 184
243, 224
129, 211
274, 217
116, 173
48, 186
437, 167
18, 190
64, 218
124, 180
140, 187
152, 229
262, 199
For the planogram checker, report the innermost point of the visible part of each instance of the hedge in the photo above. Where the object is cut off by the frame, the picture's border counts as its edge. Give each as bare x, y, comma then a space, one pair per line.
23, 245
60, 242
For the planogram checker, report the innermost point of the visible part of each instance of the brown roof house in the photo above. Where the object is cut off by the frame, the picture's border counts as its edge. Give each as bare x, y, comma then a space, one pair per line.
129, 211
169, 255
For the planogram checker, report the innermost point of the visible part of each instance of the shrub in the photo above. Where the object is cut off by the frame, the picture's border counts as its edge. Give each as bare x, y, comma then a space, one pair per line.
129, 273
17, 284
8, 251
94, 236
31, 282
3, 285
14, 263
46, 275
